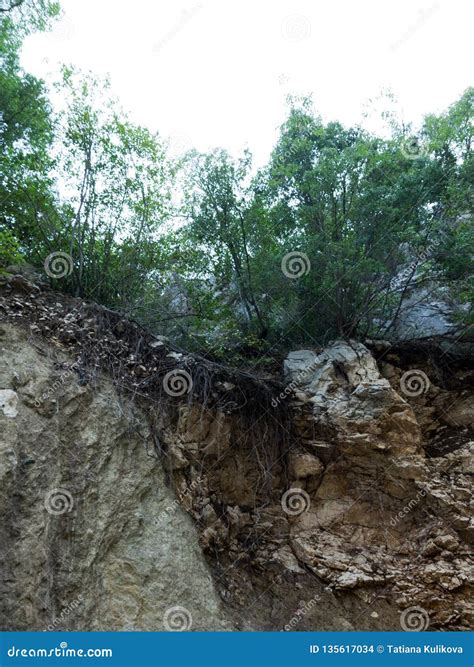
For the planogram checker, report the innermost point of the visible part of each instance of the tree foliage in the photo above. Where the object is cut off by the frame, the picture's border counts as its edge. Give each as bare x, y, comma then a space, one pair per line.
204, 249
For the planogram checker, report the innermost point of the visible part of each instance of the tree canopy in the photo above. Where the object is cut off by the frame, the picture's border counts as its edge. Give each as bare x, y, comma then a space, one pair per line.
324, 241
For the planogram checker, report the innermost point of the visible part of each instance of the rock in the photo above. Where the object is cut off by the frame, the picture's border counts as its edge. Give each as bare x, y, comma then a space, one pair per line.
147, 486
377, 488
430, 549
461, 413
349, 396
8, 403
304, 465
21, 284
448, 542
209, 515
285, 557
175, 355
78, 524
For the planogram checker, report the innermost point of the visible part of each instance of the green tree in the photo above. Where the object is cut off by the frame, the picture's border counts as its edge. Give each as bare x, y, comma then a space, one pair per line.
25, 138
217, 204
114, 179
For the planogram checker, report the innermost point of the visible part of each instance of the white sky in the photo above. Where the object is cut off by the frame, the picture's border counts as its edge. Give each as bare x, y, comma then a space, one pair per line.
216, 72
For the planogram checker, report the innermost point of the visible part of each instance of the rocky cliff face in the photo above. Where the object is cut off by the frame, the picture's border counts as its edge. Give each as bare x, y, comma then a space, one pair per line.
91, 533
343, 502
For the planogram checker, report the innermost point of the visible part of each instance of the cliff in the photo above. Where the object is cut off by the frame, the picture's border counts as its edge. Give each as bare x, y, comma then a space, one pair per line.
145, 488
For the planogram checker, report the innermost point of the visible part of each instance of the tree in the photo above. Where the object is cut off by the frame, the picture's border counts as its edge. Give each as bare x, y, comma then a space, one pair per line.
25, 138
350, 201
217, 202
115, 193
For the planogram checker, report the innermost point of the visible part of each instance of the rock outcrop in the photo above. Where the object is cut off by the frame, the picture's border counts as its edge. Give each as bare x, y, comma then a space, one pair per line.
92, 538
382, 516
337, 498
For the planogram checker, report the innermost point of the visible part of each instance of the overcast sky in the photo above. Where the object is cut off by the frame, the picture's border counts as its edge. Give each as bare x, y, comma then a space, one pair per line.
216, 72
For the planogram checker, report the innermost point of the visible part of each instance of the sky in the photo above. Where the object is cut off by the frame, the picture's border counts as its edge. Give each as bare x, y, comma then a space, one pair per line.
209, 73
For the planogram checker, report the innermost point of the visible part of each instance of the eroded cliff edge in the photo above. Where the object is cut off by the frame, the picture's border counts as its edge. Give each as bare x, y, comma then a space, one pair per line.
337, 498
